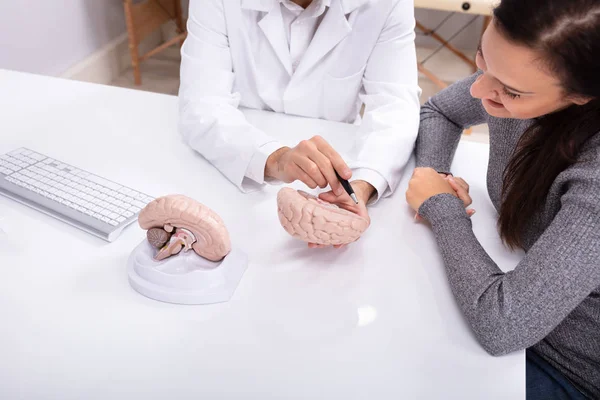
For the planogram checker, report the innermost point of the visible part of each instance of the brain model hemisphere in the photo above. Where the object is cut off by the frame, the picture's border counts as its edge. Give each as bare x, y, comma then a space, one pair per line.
308, 218
177, 223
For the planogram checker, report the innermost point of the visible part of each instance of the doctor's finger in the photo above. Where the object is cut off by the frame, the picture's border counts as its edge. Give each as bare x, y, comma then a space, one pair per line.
299, 174
326, 169
312, 170
335, 159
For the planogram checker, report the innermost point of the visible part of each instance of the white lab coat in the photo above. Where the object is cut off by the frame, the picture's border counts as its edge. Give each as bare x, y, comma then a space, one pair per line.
236, 54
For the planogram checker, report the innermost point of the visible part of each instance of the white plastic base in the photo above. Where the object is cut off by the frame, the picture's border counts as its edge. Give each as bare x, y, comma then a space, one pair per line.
185, 278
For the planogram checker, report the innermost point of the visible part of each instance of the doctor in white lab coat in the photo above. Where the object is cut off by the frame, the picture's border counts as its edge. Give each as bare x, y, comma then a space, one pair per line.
313, 58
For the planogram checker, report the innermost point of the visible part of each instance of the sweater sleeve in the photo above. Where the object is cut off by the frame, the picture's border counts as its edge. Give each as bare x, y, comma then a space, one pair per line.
514, 310
443, 119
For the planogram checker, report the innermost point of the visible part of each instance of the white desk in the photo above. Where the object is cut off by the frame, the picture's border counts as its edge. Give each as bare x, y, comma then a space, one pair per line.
375, 321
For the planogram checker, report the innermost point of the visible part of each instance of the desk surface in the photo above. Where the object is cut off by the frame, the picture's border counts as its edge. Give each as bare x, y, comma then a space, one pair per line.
374, 321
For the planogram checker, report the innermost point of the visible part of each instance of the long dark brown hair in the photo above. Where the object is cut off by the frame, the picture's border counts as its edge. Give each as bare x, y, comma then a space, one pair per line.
566, 33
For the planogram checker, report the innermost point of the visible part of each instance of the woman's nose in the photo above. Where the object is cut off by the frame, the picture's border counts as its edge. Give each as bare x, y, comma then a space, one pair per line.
484, 87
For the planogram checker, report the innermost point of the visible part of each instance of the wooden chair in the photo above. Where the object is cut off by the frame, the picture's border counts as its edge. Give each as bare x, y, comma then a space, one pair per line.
145, 17
476, 8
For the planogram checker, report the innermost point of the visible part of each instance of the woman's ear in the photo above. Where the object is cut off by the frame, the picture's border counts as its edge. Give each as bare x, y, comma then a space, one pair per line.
580, 100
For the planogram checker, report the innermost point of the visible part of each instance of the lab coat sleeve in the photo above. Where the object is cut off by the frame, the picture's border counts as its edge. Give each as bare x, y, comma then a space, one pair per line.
387, 134
209, 119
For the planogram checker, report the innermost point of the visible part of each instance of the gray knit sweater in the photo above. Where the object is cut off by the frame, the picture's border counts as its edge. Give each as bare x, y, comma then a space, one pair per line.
551, 300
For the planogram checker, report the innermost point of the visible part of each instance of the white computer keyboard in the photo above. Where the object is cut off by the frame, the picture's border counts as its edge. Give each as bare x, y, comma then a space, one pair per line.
75, 196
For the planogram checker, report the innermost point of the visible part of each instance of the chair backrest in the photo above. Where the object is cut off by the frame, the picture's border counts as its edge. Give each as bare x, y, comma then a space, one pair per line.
480, 7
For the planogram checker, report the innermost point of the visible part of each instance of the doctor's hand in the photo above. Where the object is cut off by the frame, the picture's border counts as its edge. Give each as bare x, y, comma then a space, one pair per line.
313, 162
363, 191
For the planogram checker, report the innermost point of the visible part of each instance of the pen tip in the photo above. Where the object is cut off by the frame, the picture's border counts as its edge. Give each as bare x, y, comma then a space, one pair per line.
354, 198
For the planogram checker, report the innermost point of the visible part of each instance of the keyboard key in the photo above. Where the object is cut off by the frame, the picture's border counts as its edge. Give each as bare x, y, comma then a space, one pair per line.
37, 156
113, 223
138, 204
128, 214
103, 182
121, 219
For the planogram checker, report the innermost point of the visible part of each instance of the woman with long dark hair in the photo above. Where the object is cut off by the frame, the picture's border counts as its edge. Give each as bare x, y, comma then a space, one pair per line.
538, 89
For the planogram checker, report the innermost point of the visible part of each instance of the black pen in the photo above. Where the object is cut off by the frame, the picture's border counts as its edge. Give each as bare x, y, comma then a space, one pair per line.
347, 187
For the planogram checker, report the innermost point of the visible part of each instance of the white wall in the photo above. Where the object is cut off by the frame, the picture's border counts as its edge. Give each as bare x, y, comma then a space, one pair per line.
49, 36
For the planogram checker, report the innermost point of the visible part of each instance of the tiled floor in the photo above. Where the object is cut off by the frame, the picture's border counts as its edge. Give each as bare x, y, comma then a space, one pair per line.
160, 74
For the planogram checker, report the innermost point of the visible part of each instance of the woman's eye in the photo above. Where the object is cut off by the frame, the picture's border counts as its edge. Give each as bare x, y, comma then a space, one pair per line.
479, 61
513, 96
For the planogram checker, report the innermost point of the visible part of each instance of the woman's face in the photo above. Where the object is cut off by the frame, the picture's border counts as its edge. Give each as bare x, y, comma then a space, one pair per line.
514, 83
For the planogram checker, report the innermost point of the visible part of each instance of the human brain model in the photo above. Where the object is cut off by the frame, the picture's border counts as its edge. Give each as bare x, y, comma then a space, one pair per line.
313, 220
176, 222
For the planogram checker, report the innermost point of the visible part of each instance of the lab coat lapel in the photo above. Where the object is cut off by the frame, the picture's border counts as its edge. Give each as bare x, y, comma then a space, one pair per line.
333, 29
272, 27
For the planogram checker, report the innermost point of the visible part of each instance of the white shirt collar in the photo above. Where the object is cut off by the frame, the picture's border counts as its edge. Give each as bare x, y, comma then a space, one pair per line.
266, 5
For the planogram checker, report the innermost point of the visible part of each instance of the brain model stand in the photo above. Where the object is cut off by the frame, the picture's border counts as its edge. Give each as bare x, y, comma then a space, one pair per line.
312, 220
187, 257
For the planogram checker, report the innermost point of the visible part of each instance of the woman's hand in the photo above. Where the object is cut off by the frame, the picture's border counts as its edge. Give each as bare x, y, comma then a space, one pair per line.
424, 184
313, 162
363, 191
462, 190
459, 186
